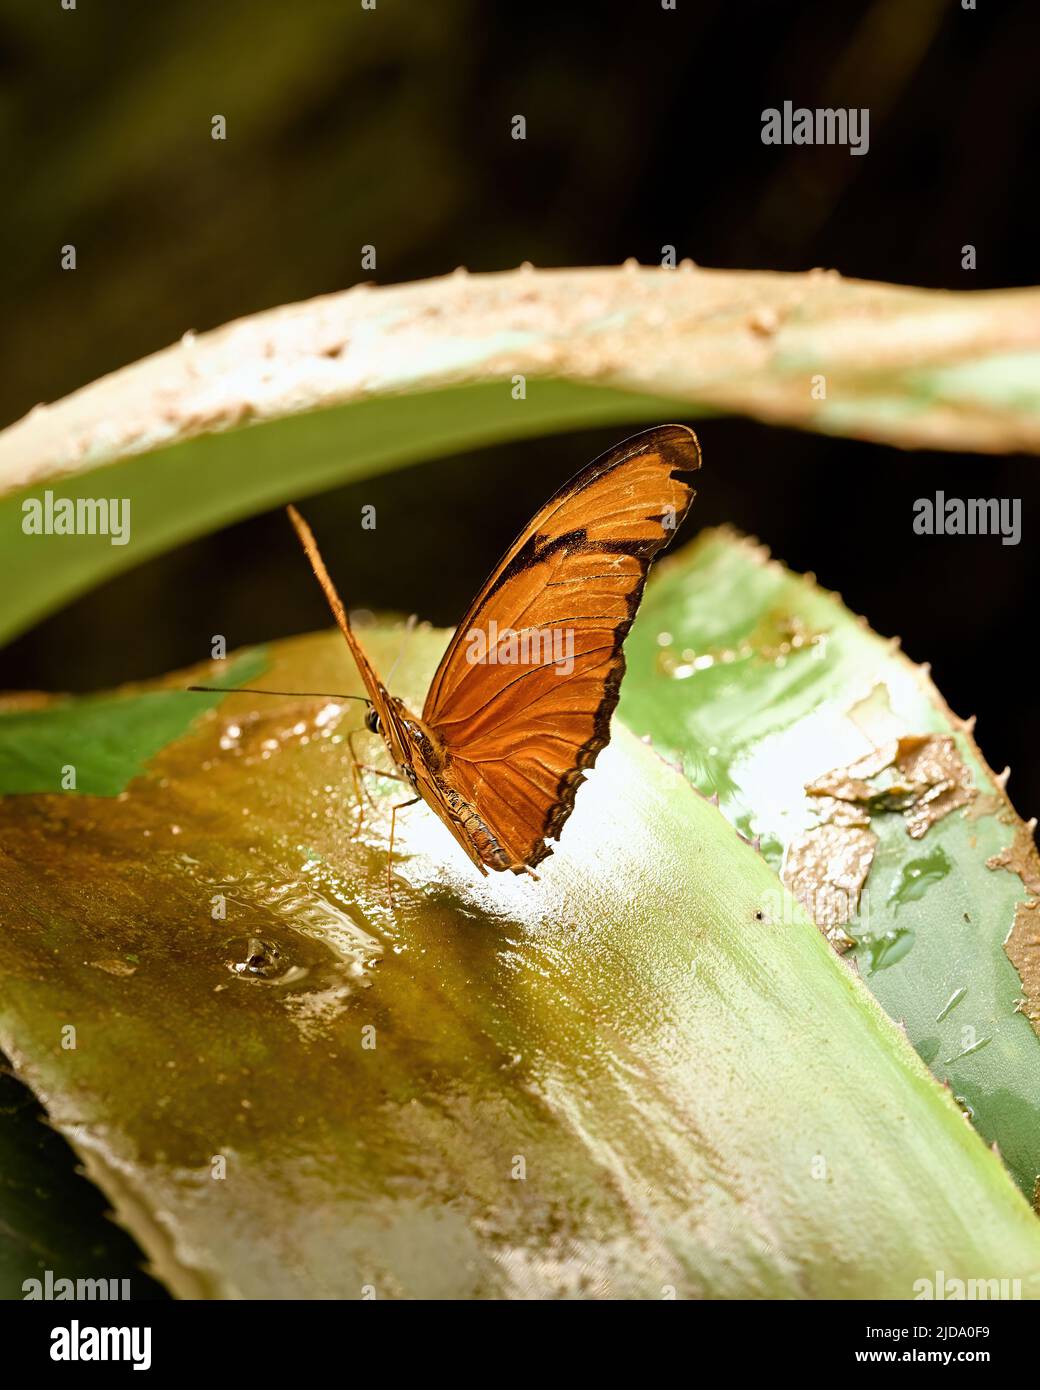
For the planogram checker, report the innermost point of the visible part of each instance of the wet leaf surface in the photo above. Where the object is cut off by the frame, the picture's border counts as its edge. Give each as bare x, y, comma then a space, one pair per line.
647, 1071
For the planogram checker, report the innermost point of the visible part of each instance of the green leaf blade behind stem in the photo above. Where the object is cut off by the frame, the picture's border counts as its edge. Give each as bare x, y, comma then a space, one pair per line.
196, 485
272, 408
644, 1073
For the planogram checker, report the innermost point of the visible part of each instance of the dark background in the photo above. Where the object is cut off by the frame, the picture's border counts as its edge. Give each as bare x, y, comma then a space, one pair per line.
393, 127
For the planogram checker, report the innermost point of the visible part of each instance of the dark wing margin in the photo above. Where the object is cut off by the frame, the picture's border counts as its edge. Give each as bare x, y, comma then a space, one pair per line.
520, 736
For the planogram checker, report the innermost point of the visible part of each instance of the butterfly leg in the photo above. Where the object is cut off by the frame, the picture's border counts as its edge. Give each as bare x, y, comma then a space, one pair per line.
390, 851
357, 767
359, 786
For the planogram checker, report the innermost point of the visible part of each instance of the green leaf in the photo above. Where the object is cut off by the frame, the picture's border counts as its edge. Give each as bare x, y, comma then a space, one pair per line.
274, 407
760, 683
107, 741
626, 1078
212, 479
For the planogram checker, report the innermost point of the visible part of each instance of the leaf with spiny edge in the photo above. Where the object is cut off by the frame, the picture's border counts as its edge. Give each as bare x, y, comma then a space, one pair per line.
757, 718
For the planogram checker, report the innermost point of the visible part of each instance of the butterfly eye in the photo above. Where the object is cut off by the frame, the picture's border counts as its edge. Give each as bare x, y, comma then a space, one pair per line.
372, 723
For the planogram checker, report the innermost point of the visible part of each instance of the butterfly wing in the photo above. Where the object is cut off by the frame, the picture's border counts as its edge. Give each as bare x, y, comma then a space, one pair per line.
519, 733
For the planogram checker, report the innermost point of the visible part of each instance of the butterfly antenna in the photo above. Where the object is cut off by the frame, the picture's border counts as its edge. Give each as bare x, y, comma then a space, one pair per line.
409, 628
293, 694
313, 554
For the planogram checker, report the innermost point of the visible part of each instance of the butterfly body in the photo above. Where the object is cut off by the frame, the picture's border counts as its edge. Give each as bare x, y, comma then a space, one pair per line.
521, 703
427, 766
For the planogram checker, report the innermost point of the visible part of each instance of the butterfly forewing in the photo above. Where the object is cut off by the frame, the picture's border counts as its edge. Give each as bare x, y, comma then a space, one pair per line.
523, 697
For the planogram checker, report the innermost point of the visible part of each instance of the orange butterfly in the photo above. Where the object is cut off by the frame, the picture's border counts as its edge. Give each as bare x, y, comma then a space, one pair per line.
521, 702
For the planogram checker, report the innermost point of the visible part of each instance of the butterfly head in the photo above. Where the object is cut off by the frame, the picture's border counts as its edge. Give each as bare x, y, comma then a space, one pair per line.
372, 723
